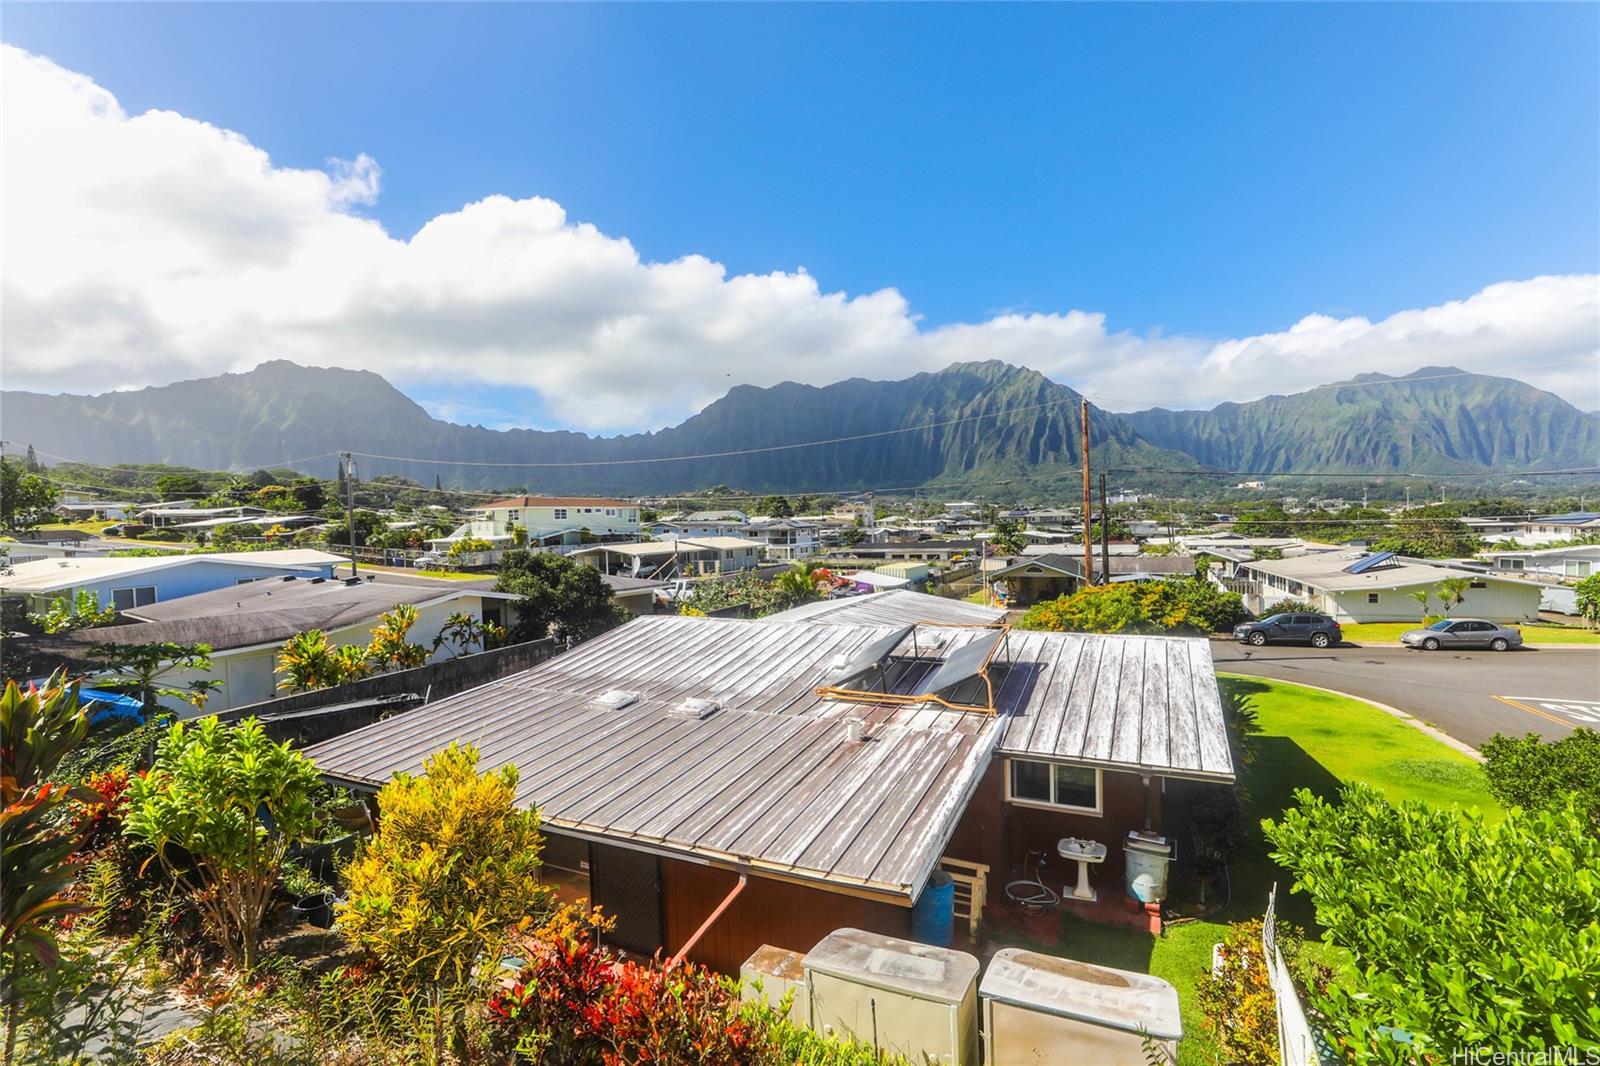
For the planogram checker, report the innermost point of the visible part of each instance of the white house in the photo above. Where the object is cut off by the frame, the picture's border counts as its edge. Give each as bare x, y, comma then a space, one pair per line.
246, 626
549, 520
184, 513
703, 524
671, 558
72, 509
1575, 561
1358, 586
784, 538
128, 583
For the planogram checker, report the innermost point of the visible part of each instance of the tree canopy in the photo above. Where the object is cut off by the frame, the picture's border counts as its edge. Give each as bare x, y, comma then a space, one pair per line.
558, 597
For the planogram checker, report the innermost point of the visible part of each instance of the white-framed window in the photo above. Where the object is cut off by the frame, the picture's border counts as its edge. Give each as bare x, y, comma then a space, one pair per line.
611, 512
1055, 785
561, 512
129, 598
1509, 564
513, 515
1577, 568
1372, 597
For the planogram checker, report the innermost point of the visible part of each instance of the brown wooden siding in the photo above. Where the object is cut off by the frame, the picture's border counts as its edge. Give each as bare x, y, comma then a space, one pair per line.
767, 912
1000, 834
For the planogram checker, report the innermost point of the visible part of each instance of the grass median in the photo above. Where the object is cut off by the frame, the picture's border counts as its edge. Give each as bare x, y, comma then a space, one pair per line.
1389, 633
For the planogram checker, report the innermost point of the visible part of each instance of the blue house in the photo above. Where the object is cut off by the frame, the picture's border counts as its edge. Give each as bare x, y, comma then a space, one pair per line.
127, 583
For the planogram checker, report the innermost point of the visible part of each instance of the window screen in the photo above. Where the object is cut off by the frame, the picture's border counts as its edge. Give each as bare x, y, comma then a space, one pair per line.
129, 598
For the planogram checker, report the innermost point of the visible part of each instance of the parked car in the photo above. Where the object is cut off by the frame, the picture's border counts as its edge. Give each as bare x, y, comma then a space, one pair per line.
1318, 630
1462, 633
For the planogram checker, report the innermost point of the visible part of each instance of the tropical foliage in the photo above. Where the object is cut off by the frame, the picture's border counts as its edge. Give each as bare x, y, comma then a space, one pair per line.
1452, 592
576, 1004
25, 497
1588, 591
138, 670
1006, 537
557, 597
462, 633
1460, 933
1241, 1011
453, 866
1538, 774
310, 660
38, 728
232, 802
1176, 604
82, 611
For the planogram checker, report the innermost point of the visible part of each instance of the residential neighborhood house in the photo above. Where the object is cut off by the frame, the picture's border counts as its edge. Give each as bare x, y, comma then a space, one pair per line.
1357, 586
130, 582
246, 626
797, 776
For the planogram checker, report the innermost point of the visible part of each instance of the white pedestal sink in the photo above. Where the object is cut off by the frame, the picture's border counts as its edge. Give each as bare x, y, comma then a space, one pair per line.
1085, 852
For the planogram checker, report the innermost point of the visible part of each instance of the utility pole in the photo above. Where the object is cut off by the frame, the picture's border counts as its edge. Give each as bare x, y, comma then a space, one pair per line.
1088, 545
347, 464
1105, 535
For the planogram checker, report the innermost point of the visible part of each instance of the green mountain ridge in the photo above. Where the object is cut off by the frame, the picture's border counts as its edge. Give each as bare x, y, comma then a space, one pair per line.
1435, 420
984, 428
969, 424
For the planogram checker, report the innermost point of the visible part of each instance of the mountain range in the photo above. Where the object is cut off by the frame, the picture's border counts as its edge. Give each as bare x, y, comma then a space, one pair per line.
968, 426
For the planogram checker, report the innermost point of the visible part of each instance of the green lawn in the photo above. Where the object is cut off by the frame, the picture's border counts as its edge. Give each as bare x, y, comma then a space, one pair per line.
91, 526
1308, 739
449, 575
1389, 633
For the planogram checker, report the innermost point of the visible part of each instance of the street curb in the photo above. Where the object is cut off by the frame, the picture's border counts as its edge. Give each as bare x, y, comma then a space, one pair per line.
1412, 720
1352, 644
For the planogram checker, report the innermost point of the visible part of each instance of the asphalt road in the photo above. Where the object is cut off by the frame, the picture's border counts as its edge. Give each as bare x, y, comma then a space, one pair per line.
1470, 695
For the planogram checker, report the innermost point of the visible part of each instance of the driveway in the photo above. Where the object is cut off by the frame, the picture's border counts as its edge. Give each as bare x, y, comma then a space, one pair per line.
1470, 695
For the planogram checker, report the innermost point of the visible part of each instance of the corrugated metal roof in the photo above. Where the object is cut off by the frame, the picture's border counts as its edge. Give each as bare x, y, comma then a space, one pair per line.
898, 607
770, 780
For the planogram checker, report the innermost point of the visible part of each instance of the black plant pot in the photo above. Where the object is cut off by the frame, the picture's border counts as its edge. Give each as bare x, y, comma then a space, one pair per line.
316, 909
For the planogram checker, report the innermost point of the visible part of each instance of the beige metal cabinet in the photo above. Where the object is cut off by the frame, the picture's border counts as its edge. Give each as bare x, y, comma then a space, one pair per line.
1040, 1009
769, 974
914, 1000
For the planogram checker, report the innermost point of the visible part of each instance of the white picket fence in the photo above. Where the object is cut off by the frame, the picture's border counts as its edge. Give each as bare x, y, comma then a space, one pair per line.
1297, 1044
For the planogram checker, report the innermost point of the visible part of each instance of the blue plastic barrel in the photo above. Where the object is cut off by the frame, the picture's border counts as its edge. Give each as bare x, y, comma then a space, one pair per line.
933, 919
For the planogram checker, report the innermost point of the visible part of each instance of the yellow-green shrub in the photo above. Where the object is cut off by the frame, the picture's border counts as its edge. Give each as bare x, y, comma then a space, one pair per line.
453, 865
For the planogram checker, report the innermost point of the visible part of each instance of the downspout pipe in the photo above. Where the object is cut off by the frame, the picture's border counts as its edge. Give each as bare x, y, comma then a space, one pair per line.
705, 926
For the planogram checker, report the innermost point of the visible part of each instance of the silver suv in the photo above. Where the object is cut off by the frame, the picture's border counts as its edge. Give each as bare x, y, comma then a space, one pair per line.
1462, 633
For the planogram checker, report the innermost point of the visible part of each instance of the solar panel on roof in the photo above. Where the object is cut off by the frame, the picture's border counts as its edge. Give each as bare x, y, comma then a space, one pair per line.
964, 663
872, 656
1361, 566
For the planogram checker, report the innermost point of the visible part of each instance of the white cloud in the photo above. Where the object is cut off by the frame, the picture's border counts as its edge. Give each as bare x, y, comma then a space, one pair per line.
149, 248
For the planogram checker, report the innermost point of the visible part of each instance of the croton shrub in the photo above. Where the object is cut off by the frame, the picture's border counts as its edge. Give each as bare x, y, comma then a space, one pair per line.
576, 1004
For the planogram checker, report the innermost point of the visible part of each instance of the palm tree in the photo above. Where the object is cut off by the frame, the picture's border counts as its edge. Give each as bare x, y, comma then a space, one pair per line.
1452, 591
1422, 596
801, 583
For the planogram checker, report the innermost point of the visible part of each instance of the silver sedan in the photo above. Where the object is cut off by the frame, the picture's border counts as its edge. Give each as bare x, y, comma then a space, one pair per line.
1462, 633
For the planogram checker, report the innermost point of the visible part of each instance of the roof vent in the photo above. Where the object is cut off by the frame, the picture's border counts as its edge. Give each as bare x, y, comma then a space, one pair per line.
287, 577
318, 580
695, 709
852, 730
616, 699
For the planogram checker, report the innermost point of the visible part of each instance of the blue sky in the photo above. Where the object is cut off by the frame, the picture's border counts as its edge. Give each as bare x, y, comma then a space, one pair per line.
1207, 171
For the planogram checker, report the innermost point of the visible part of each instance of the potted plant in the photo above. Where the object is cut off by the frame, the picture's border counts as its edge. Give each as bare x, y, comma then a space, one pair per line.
313, 900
